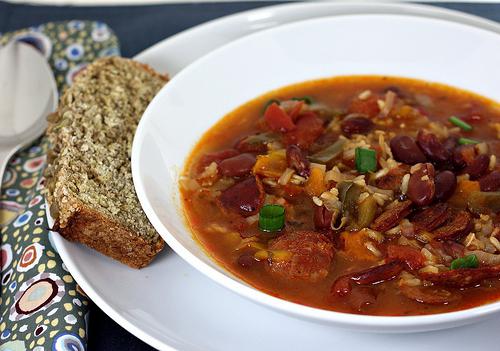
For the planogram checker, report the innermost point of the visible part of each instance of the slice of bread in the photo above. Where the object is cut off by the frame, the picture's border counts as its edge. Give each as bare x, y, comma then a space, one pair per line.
89, 179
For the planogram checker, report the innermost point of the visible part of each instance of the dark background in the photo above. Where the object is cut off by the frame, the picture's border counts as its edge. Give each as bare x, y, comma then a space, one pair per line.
137, 28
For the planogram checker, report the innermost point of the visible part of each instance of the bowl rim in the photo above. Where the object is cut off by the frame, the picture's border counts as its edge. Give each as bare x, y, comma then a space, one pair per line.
366, 322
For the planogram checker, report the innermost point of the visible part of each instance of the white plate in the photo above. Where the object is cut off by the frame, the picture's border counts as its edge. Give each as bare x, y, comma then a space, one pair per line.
171, 306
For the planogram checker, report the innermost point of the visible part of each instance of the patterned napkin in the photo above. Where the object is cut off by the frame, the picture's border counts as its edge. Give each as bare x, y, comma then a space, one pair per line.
41, 306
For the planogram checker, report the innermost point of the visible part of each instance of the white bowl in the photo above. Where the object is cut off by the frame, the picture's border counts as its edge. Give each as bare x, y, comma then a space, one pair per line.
201, 94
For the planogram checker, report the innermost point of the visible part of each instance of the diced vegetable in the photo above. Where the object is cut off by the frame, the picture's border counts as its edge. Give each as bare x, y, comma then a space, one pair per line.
460, 123
315, 184
277, 119
365, 159
354, 246
467, 141
256, 142
328, 154
469, 261
365, 213
271, 218
271, 165
348, 195
306, 99
481, 201
462, 192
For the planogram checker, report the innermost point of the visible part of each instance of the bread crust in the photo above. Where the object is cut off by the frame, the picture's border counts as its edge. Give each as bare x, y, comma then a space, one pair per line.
102, 234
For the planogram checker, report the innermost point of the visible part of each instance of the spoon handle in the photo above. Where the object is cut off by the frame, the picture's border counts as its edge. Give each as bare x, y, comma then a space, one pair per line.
5, 155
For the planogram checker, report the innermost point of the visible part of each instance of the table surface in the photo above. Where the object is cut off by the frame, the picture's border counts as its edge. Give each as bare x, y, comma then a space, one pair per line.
158, 21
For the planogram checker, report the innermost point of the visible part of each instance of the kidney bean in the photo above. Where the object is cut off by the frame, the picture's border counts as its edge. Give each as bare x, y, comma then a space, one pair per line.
378, 274
478, 167
404, 149
342, 286
390, 217
432, 147
247, 260
462, 277
322, 218
431, 218
446, 183
244, 198
237, 166
460, 226
463, 155
421, 187
296, 159
356, 124
490, 182
217, 157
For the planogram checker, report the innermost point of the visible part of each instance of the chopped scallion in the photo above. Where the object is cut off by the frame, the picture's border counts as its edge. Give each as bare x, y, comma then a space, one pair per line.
459, 123
365, 159
306, 99
469, 261
271, 218
466, 141
271, 102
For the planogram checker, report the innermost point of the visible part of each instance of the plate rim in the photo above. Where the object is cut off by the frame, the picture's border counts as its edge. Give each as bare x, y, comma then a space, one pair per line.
242, 17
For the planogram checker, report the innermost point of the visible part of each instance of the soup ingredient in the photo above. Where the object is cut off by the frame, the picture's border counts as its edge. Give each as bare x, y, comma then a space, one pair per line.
311, 256
467, 141
296, 160
478, 167
421, 187
469, 261
405, 149
244, 198
271, 218
392, 215
490, 182
460, 225
445, 184
433, 149
277, 119
365, 159
356, 123
237, 166
328, 154
430, 295
460, 123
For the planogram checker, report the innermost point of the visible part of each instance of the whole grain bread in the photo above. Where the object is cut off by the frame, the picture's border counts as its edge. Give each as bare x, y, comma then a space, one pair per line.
89, 180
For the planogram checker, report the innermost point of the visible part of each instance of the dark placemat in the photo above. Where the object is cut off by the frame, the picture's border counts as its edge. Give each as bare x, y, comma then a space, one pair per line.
137, 28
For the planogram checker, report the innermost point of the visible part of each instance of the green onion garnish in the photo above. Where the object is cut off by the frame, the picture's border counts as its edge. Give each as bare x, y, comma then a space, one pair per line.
306, 99
461, 124
469, 261
466, 141
271, 102
271, 218
365, 159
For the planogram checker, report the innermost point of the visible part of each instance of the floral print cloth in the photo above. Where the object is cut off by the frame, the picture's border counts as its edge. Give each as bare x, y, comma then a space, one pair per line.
41, 306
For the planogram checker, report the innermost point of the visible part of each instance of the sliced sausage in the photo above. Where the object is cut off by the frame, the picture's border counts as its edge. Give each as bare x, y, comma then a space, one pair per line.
459, 226
462, 277
311, 256
411, 256
431, 217
430, 295
392, 216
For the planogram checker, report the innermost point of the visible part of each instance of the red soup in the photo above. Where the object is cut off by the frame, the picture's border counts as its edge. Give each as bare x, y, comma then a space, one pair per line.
370, 195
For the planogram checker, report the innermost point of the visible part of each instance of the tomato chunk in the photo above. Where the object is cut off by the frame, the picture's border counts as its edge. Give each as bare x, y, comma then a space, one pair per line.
277, 119
308, 128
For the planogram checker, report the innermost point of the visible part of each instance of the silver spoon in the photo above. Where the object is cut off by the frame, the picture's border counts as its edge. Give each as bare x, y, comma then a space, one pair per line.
28, 94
